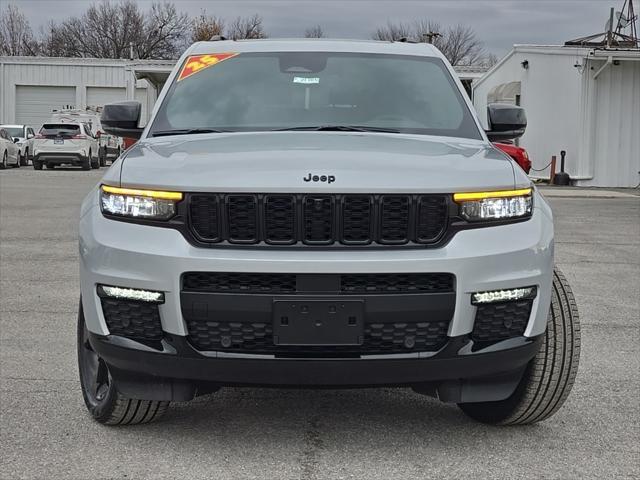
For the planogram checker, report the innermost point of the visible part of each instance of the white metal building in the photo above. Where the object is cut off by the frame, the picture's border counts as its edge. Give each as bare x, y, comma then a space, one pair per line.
585, 101
32, 87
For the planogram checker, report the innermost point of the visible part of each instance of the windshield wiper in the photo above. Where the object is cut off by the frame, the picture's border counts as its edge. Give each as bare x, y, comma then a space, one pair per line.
338, 128
187, 131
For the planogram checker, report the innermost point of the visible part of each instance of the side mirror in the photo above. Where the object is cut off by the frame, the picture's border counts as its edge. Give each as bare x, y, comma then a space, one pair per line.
121, 119
15, 139
506, 121
30, 136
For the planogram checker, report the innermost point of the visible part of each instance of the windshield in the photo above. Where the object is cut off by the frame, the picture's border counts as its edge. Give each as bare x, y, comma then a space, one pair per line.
14, 131
315, 90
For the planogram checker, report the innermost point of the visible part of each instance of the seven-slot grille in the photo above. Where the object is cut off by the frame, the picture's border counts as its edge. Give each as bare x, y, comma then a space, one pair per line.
283, 219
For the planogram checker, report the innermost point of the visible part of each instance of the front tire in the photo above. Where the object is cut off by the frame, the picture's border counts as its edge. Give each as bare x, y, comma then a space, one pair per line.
24, 159
105, 404
549, 377
3, 165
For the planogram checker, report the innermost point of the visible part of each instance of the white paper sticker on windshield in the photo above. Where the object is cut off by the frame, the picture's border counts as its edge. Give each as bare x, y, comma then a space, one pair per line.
306, 80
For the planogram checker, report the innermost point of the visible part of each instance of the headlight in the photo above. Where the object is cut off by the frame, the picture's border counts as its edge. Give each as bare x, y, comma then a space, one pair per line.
501, 205
142, 204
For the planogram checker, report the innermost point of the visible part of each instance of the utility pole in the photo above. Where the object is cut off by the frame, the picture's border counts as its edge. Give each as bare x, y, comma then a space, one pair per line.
429, 36
610, 29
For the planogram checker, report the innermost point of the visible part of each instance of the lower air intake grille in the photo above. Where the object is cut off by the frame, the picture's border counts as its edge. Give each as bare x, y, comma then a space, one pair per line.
256, 338
222, 282
138, 321
346, 284
396, 283
499, 321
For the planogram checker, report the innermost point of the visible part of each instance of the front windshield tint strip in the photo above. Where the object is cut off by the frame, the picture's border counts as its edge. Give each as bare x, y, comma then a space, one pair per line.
319, 90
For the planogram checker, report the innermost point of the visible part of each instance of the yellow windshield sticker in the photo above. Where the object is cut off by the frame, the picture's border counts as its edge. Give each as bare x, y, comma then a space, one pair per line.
196, 63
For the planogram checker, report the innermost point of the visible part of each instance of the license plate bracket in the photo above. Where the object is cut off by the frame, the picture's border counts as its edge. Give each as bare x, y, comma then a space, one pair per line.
318, 322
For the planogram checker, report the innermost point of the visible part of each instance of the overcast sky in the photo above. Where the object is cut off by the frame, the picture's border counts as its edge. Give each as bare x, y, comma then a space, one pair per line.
499, 23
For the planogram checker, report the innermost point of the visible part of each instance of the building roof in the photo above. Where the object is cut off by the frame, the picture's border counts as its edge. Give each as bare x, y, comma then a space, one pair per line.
572, 50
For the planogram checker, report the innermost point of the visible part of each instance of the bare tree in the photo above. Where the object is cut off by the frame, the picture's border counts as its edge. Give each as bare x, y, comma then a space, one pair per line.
51, 43
392, 32
458, 43
106, 30
164, 30
461, 46
246, 27
16, 37
489, 60
205, 27
314, 32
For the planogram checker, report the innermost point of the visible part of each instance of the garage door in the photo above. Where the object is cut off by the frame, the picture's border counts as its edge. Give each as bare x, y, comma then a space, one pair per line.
100, 96
35, 103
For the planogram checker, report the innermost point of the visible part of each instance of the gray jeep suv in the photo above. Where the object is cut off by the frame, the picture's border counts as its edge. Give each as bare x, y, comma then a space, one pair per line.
320, 213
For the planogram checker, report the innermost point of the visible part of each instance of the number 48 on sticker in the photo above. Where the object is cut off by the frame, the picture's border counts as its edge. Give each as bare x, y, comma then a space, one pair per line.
196, 63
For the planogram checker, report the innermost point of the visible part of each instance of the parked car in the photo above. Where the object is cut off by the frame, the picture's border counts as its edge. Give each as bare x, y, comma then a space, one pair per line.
333, 216
519, 154
109, 145
65, 144
25, 135
9, 153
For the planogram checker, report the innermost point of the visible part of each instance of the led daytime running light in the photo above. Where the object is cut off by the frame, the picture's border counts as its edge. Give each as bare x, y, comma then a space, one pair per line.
503, 295
142, 193
132, 294
465, 197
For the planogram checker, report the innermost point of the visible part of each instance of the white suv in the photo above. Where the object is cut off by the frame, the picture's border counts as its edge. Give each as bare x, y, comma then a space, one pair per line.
107, 144
65, 144
25, 135
335, 216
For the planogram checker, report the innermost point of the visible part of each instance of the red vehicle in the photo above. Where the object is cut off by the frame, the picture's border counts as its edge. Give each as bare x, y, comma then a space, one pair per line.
519, 154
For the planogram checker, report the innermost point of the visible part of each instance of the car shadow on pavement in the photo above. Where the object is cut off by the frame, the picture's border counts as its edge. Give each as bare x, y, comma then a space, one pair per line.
353, 415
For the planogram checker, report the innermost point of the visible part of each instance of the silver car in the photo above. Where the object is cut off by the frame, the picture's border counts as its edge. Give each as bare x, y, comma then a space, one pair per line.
320, 213
9, 151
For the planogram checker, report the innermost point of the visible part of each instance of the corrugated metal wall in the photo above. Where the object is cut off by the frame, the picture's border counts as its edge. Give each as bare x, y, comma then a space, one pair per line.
597, 121
77, 73
611, 125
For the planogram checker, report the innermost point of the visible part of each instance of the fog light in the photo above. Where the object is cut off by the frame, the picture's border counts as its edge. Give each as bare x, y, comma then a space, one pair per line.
503, 295
131, 294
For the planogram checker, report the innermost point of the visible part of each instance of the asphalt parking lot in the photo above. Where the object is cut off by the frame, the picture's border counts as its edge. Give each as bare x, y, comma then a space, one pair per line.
288, 434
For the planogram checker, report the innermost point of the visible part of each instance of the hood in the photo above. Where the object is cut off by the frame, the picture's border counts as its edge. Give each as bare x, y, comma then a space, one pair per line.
296, 162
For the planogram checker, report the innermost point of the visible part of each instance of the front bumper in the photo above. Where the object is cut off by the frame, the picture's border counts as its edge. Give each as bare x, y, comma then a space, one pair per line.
456, 373
146, 257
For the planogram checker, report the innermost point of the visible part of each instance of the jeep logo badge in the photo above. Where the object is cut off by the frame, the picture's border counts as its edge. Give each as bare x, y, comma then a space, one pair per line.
319, 178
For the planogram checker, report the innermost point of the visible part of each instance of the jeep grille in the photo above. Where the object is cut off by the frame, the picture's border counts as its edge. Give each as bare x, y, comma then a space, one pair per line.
317, 220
